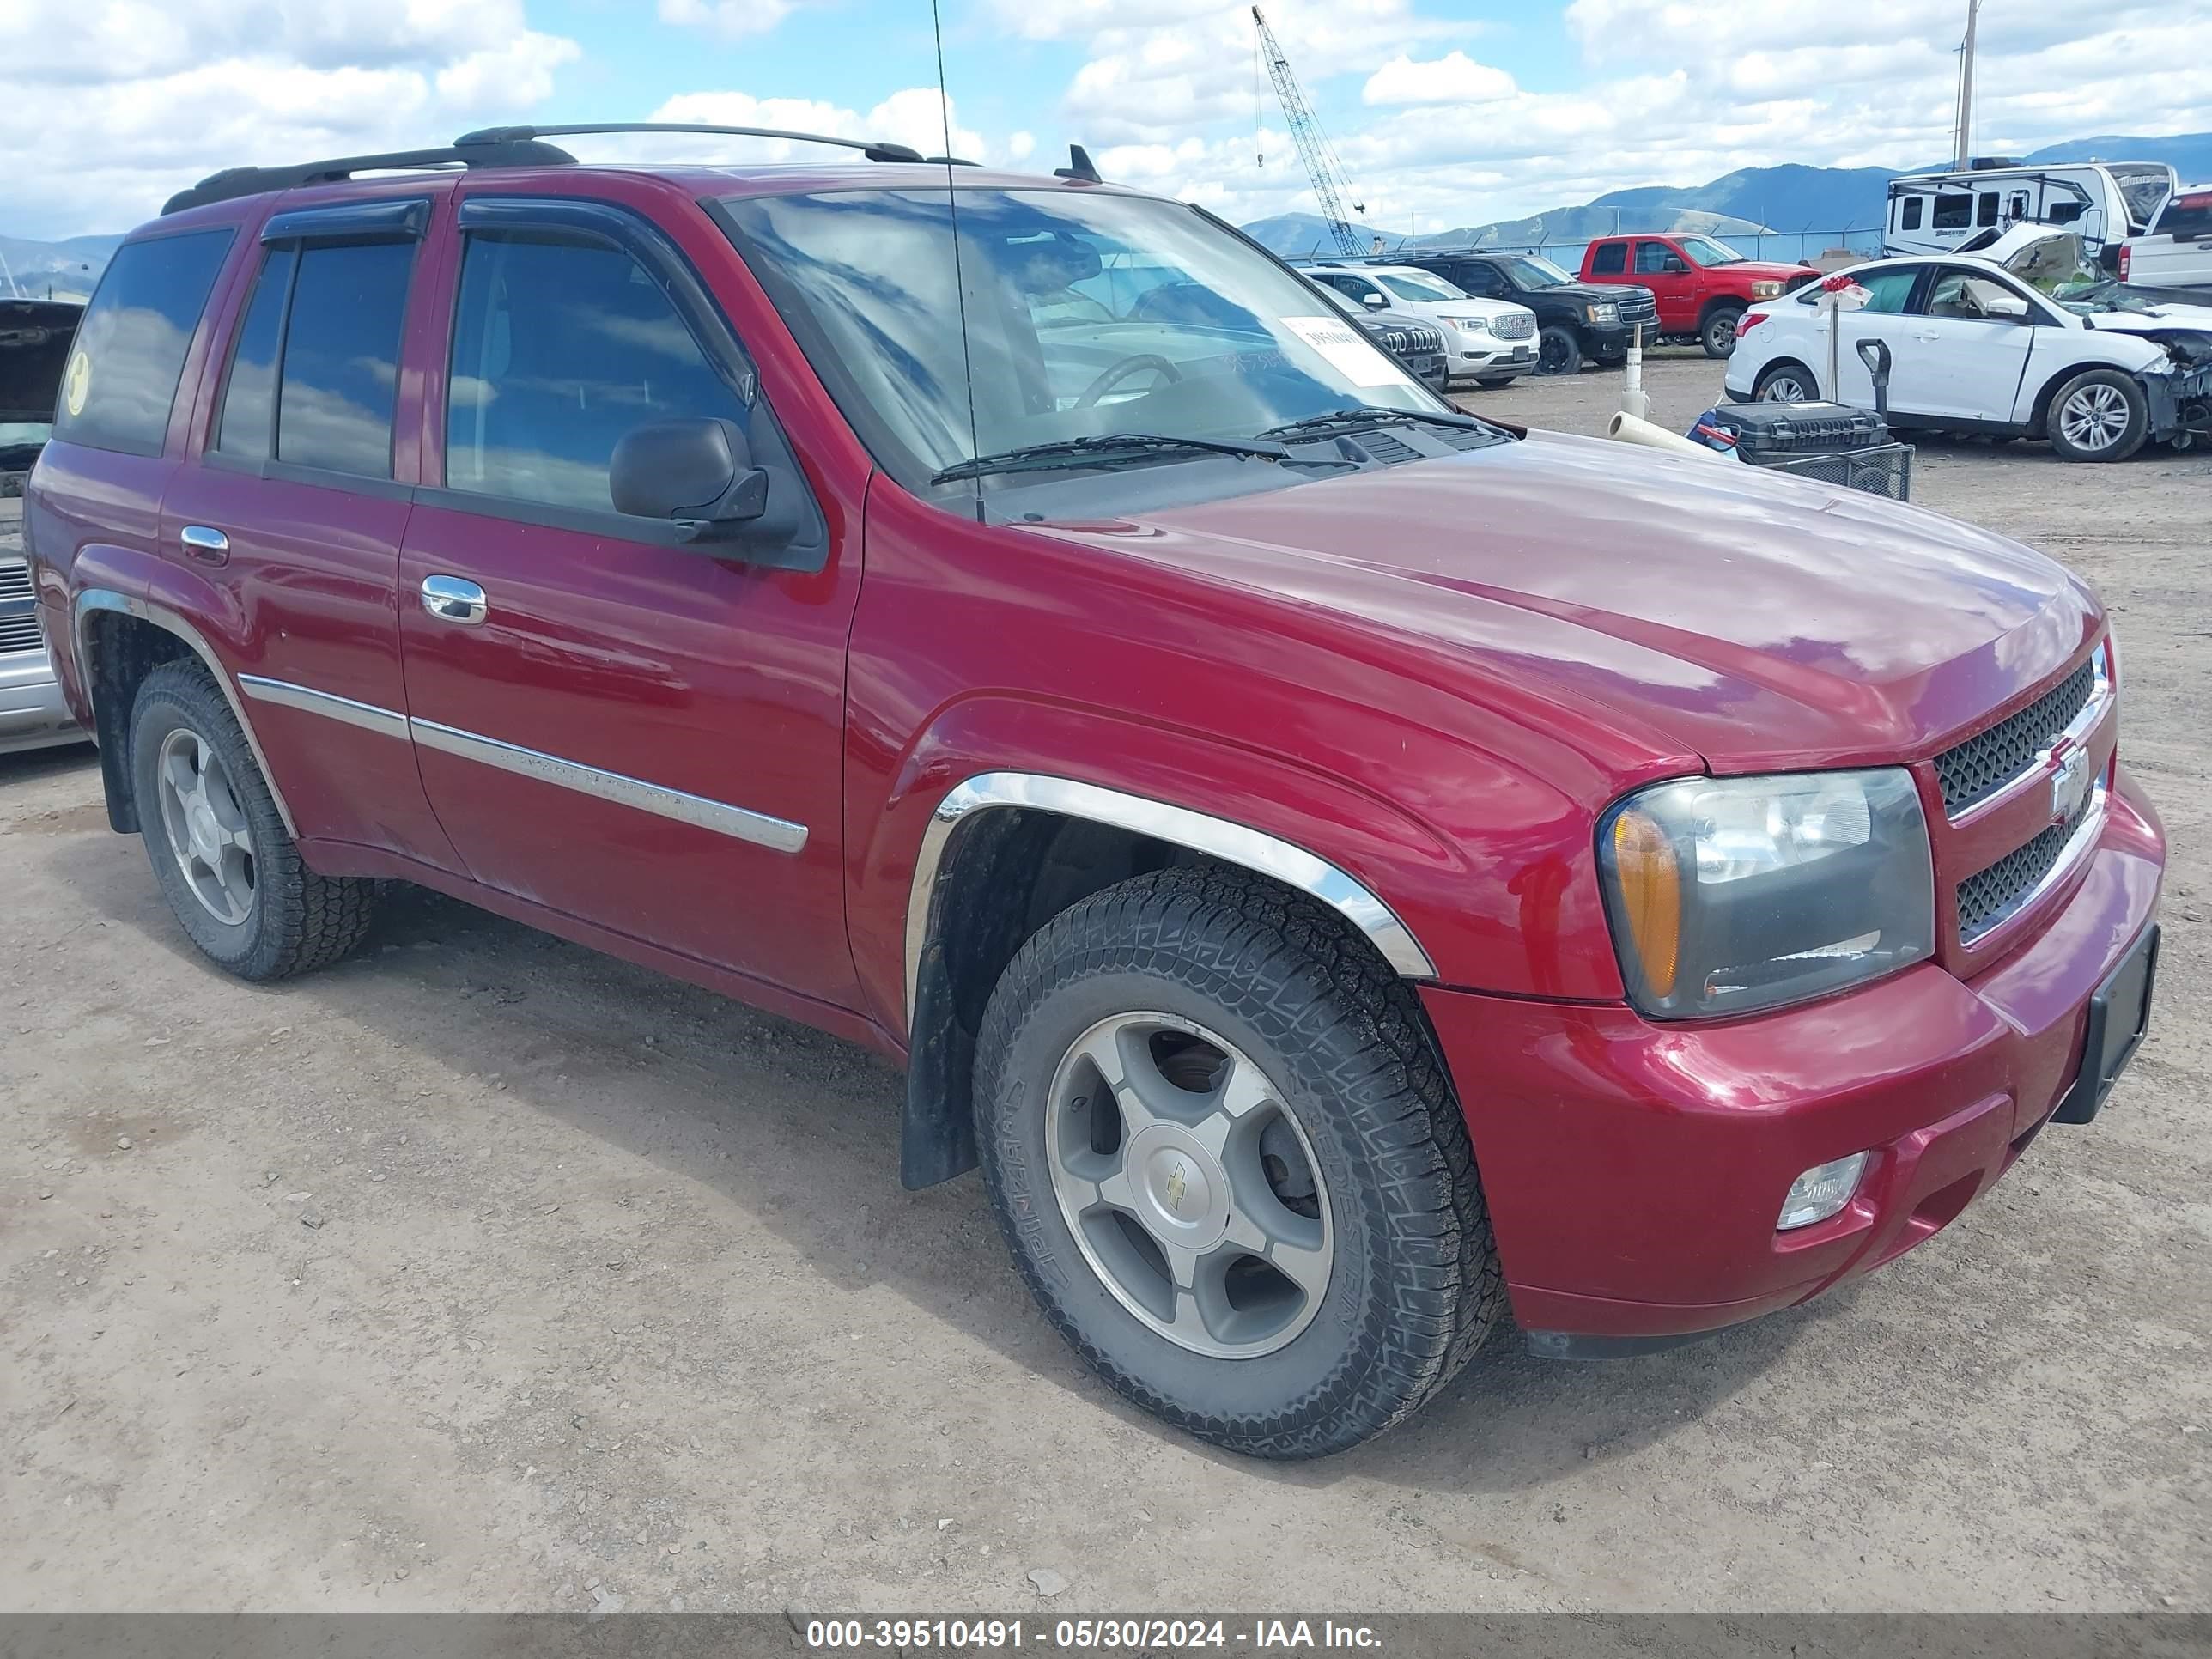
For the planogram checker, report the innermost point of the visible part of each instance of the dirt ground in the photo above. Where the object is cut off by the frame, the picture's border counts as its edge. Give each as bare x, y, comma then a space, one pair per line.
485, 1273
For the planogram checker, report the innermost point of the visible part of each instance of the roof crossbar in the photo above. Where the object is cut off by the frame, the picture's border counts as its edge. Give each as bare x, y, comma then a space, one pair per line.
474, 150
875, 150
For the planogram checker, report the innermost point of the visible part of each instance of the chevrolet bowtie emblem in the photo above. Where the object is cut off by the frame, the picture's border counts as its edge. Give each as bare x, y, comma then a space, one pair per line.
1177, 1187
2069, 784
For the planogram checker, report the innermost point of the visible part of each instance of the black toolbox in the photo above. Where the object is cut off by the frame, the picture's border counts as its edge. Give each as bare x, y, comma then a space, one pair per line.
1767, 433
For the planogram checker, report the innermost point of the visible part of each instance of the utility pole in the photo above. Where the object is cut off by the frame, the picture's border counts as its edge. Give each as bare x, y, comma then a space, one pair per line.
1966, 91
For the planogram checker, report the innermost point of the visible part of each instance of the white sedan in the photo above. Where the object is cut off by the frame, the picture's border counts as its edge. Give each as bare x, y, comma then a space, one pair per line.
1490, 341
2027, 341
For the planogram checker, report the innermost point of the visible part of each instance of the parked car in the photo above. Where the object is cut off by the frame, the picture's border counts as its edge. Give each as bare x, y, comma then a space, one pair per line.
1574, 320
34, 342
2036, 344
2176, 250
1234, 803
1492, 343
1414, 341
1702, 286
1955, 211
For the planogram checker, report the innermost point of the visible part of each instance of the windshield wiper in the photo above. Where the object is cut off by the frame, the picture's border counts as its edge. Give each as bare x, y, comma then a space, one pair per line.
1105, 449
1370, 414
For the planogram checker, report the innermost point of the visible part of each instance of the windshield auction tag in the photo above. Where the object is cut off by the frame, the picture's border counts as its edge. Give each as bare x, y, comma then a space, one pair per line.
1348, 351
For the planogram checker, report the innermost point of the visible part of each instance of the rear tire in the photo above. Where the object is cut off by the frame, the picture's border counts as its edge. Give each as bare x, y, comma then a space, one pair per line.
1558, 351
2100, 415
1785, 382
1717, 334
218, 843
1202, 987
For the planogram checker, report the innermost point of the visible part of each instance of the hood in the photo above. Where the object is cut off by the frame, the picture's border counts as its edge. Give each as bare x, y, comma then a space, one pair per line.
34, 344
1578, 290
1757, 621
1779, 271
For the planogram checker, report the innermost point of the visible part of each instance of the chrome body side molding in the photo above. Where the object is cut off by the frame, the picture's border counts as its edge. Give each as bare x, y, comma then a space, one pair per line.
1232, 843
92, 599
367, 715
739, 823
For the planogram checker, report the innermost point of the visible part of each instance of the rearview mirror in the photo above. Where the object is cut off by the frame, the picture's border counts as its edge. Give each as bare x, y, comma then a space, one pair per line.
698, 472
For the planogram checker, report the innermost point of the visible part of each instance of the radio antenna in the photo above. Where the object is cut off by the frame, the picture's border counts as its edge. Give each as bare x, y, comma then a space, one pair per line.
959, 278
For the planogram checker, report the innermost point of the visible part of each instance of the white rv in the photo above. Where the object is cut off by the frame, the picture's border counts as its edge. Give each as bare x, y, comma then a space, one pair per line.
2104, 203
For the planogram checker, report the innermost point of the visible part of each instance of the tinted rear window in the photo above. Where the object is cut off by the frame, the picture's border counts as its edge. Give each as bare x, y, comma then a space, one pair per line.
1611, 259
122, 377
341, 372
2188, 215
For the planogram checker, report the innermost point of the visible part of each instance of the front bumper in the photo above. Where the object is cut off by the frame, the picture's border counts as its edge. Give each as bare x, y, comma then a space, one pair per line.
32, 714
1634, 1168
1493, 359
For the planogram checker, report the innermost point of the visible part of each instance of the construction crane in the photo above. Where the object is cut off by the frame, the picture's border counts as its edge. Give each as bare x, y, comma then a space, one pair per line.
1322, 169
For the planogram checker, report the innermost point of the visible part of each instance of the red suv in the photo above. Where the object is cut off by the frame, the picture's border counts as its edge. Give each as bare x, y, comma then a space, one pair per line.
1702, 286
1338, 882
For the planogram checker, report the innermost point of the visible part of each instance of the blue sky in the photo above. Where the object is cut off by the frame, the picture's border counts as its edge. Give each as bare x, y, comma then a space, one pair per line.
1445, 112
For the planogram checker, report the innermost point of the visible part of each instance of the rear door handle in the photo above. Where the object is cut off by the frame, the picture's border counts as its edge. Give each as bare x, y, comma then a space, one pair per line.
454, 599
206, 545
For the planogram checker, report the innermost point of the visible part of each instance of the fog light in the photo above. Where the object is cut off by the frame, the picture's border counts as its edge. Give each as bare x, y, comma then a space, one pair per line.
1820, 1192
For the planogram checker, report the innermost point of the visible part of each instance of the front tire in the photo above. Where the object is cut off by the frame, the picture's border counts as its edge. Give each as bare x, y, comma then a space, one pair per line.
1558, 351
1229, 1164
2100, 415
218, 843
1717, 334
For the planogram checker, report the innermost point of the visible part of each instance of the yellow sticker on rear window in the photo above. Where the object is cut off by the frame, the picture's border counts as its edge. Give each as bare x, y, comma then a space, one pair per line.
78, 386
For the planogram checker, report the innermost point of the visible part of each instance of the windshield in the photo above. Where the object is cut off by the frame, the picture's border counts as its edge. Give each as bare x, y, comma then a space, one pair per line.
2061, 270
1087, 313
1703, 251
2144, 188
1424, 288
1531, 271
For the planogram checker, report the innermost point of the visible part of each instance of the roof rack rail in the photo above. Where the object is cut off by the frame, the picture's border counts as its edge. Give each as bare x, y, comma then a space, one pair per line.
472, 150
875, 150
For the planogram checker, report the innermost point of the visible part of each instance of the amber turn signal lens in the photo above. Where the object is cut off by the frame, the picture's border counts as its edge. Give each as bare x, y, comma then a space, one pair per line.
1651, 880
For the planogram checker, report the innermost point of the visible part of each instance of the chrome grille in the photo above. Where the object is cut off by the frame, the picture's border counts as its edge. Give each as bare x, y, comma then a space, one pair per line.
15, 580
19, 632
1640, 308
1974, 770
1989, 896
1514, 328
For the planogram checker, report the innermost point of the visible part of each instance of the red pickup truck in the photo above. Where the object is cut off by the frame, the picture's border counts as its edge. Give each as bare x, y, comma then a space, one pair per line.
1703, 286
1339, 887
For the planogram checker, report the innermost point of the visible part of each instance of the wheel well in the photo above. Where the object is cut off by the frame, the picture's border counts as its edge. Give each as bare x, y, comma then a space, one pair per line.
1004, 873
1802, 367
120, 651
2039, 420
1721, 302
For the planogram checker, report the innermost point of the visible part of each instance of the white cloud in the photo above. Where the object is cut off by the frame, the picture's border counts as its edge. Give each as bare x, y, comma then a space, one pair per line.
731, 19
1021, 146
114, 107
1454, 78
914, 116
1674, 94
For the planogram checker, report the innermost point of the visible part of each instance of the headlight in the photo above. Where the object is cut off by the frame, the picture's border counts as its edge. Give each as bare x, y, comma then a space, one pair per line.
1605, 312
1731, 894
1766, 290
1468, 325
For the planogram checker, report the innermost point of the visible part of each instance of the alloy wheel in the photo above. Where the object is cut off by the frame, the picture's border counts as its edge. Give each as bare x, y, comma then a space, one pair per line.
2094, 417
1189, 1185
1785, 388
206, 827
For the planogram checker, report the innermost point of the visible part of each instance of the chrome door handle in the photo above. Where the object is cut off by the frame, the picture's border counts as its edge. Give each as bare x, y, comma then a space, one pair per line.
454, 599
208, 546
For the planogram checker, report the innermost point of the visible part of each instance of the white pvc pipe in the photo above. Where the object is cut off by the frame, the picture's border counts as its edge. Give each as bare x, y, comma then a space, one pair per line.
1631, 430
1634, 398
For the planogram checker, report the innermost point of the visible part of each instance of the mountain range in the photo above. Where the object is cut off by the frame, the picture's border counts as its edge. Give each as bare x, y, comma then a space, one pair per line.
1786, 199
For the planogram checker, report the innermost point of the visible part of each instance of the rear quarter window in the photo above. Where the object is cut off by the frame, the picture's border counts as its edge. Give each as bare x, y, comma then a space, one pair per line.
1611, 260
122, 376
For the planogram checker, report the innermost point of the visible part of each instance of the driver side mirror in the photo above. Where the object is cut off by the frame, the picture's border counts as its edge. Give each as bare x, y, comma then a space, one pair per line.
1673, 265
1373, 301
698, 471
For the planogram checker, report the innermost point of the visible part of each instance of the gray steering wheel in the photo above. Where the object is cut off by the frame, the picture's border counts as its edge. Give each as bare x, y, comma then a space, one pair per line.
1116, 374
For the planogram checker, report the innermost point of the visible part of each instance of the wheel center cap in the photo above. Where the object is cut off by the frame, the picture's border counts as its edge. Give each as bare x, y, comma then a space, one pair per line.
200, 819
1179, 1186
